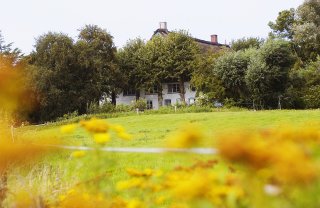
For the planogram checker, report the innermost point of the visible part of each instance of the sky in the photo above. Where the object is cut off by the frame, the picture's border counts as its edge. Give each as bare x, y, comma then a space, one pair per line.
22, 21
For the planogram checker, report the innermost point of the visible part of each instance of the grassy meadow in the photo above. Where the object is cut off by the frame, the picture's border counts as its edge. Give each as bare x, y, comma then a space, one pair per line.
54, 175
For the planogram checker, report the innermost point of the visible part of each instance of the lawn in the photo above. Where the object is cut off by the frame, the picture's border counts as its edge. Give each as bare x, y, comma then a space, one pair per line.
56, 174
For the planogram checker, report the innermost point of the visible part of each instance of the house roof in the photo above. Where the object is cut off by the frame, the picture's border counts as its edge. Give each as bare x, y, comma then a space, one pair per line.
203, 43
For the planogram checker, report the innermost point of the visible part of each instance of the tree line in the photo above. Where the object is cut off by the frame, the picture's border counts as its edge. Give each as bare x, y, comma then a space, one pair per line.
64, 75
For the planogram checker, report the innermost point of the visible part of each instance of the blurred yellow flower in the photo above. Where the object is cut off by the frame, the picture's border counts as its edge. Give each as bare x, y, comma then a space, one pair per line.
135, 203
283, 154
101, 138
136, 173
124, 135
95, 125
159, 200
78, 154
117, 128
68, 129
13, 153
128, 184
186, 137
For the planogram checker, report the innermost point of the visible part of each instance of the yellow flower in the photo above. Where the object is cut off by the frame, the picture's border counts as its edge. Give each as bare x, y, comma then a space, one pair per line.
95, 125
128, 184
136, 173
67, 129
101, 138
159, 200
125, 136
135, 203
117, 128
188, 136
78, 154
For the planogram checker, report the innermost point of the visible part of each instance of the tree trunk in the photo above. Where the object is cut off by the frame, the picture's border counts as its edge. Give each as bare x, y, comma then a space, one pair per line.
182, 91
113, 98
137, 95
160, 96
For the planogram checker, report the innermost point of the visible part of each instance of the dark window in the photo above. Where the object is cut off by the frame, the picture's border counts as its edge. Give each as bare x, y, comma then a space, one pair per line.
167, 102
173, 88
154, 90
129, 92
149, 104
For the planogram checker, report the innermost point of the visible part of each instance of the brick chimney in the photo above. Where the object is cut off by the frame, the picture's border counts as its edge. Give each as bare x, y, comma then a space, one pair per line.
163, 25
214, 39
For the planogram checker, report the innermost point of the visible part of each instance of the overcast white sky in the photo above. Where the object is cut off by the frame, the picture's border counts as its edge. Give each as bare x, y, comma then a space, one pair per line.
21, 21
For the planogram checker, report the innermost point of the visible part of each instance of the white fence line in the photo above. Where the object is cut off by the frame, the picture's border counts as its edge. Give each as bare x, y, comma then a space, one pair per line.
154, 150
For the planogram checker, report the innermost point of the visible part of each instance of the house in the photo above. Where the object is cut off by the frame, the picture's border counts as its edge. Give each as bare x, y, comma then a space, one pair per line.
171, 91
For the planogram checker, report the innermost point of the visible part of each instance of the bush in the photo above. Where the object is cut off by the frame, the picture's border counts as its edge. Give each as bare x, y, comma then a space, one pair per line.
203, 100
107, 108
93, 108
140, 104
68, 116
123, 108
312, 97
229, 102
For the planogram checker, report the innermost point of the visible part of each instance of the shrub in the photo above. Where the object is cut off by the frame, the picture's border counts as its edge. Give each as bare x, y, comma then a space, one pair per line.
93, 108
107, 107
123, 108
203, 100
140, 104
312, 97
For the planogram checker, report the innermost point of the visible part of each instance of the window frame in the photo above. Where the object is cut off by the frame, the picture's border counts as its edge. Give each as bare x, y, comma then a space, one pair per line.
149, 104
153, 91
129, 92
165, 102
173, 88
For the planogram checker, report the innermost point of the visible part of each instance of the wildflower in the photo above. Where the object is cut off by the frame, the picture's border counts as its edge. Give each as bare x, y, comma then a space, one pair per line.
78, 154
188, 185
117, 128
135, 203
278, 154
68, 129
188, 136
11, 90
128, 184
124, 135
101, 138
12, 153
95, 125
136, 173
159, 200
78, 198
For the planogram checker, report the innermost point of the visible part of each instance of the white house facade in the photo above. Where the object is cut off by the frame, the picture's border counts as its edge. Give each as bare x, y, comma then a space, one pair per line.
170, 94
171, 91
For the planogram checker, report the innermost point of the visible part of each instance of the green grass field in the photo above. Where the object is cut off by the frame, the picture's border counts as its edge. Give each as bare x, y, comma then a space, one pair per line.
57, 173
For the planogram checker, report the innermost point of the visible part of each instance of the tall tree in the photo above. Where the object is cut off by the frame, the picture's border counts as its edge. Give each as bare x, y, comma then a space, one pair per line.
10, 56
284, 24
153, 65
268, 72
182, 52
302, 27
96, 58
205, 79
231, 69
56, 75
246, 43
307, 30
129, 59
